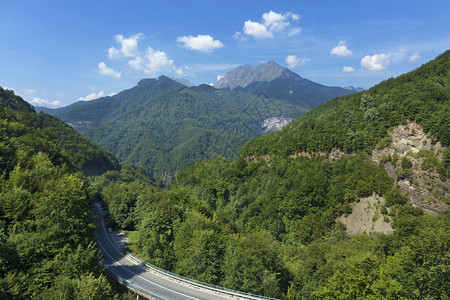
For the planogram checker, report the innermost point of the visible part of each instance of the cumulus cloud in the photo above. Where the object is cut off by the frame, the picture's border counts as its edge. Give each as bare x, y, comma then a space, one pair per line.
414, 57
45, 103
347, 69
149, 61
272, 22
204, 43
256, 30
293, 61
376, 62
341, 50
129, 46
153, 62
179, 71
95, 96
104, 70
276, 22
219, 77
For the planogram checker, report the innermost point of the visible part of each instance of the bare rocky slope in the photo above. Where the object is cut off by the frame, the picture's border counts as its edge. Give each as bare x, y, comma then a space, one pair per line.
243, 76
411, 161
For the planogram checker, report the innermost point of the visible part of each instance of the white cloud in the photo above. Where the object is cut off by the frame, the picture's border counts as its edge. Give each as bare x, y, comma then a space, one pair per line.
294, 17
341, 50
104, 70
153, 62
293, 61
150, 61
179, 71
158, 61
376, 62
43, 102
9, 89
272, 22
204, 43
256, 30
275, 22
129, 46
414, 57
272, 17
219, 77
95, 96
347, 69
138, 63
113, 53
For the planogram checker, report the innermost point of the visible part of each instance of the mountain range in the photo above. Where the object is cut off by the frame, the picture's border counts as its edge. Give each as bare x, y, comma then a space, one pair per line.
348, 201
164, 125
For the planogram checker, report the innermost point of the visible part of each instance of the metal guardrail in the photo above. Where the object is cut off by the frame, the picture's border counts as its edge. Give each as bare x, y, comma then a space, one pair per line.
198, 283
187, 280
136, 288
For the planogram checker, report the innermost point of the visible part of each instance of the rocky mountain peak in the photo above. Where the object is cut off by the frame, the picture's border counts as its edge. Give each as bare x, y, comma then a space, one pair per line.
245, 75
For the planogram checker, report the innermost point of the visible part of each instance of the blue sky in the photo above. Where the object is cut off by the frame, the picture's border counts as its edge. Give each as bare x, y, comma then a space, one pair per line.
56, 52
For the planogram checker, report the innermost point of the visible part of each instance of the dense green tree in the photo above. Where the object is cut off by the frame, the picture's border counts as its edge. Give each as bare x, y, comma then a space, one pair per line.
46, 246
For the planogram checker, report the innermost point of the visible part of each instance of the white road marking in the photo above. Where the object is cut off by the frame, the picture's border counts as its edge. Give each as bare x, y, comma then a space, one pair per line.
116, 262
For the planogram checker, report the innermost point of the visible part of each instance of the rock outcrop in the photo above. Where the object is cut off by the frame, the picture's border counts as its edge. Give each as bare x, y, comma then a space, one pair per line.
420, 181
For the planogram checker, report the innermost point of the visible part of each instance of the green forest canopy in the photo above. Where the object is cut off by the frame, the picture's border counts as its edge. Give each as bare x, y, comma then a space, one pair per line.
47, 249
270, 227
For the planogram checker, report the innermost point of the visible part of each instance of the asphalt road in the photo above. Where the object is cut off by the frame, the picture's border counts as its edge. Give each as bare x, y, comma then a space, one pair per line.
120, 265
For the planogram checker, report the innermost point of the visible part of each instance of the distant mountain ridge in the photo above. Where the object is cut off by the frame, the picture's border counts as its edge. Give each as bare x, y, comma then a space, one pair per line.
245, 75
164, 125
85, 115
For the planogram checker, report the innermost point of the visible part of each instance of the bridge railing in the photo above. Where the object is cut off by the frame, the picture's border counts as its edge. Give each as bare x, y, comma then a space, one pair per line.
186, 280
136, 288
198, 283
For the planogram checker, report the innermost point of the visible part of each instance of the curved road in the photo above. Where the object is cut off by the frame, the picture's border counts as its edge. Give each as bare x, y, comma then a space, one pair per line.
132, 272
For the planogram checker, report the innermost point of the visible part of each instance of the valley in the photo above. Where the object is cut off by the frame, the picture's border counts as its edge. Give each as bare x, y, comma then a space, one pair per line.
274, 150
172, 126
348, 200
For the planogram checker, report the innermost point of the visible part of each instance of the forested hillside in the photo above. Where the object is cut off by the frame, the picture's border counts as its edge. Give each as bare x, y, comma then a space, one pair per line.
359, 122
269, 221
83, 153
87, 115
47, 249
165, 126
